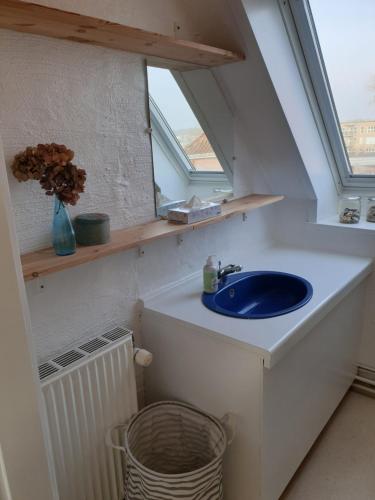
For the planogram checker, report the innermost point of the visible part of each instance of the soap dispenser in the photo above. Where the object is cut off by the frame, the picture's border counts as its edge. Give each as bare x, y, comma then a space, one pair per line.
210, 278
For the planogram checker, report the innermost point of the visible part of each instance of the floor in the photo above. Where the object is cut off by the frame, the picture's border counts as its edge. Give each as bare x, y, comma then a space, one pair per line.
341, 465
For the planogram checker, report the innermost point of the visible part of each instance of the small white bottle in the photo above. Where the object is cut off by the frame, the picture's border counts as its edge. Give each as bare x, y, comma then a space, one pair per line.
210, 279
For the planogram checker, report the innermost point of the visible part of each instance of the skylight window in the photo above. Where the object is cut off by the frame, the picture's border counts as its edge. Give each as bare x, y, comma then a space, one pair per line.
337, 37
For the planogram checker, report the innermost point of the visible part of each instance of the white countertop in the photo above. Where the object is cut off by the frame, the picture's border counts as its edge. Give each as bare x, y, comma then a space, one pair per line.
331, 275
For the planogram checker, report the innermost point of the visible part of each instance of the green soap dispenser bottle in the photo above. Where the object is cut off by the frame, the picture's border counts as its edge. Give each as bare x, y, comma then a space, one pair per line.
210, 279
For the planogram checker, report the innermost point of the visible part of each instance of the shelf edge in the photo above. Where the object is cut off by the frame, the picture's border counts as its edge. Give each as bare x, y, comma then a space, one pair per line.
33, 18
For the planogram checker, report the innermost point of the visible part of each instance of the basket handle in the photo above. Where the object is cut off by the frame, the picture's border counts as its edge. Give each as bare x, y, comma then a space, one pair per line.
109, 434
229, 422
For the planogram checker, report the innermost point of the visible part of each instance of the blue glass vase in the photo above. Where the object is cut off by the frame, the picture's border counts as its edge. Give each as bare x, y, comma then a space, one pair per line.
63, 237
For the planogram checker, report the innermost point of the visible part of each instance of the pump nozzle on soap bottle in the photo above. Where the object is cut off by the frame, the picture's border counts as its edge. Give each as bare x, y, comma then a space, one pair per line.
210, 276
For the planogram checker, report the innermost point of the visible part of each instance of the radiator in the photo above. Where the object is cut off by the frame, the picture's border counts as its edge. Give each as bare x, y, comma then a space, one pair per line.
87, 390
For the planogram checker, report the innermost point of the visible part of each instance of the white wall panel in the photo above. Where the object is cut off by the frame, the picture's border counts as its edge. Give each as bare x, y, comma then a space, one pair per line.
23, 462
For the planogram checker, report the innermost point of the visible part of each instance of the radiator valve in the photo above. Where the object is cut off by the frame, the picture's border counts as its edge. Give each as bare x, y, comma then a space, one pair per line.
142, 357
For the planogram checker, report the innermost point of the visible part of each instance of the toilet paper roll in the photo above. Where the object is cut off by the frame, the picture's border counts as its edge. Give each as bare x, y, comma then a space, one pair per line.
143, 357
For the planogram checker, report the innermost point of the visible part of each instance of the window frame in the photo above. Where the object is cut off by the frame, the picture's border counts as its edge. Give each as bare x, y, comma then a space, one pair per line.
300, 26
161, 128
194, 102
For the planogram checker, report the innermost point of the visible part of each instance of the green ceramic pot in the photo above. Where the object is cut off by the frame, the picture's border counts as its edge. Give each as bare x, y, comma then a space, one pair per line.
92, 229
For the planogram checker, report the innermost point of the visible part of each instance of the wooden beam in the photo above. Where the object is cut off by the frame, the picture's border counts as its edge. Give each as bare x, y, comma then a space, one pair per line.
28, 17
43, 262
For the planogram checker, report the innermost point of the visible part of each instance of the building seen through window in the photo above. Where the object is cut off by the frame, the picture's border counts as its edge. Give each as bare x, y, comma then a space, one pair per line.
346, 34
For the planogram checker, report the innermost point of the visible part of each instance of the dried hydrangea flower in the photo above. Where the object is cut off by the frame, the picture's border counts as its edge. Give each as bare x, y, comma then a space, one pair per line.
51, 165
54, 154
28, 165
66, 182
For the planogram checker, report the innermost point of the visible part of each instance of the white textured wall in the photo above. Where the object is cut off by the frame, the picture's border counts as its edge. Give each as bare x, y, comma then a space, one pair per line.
94, 101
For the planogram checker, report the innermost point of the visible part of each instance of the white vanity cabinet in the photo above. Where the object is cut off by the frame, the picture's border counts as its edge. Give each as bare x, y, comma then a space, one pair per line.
280, 409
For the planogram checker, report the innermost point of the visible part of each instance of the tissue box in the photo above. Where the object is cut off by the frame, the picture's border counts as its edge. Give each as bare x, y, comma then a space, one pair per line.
186, 215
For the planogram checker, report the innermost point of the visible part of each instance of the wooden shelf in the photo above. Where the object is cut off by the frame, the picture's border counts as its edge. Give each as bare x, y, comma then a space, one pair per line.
43, 262
28, 17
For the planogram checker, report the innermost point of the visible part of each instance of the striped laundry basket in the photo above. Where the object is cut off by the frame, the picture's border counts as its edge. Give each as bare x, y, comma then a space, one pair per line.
174, 451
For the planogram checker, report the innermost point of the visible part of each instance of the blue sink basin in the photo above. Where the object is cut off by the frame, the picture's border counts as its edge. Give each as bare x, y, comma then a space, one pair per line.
259, 294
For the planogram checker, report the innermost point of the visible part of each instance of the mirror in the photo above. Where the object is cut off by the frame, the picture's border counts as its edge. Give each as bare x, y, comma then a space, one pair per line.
192, 138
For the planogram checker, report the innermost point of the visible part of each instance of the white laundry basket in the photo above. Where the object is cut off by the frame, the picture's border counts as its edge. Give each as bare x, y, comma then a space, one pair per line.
173, 451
